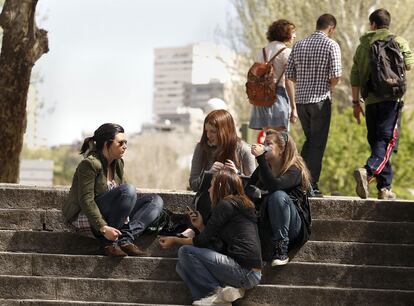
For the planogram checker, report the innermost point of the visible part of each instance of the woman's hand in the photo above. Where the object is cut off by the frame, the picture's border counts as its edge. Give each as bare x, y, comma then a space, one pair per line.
197, 220
229, 164
167, 242
294, 116
110, 233
257, 149
217, 166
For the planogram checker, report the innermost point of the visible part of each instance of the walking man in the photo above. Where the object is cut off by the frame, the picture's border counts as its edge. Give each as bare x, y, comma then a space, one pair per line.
382, 112
315, 67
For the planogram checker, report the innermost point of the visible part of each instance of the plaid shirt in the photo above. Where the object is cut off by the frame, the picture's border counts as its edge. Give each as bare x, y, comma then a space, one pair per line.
313, 62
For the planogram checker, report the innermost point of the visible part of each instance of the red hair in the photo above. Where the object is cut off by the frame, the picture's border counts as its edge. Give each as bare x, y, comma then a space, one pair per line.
227, 138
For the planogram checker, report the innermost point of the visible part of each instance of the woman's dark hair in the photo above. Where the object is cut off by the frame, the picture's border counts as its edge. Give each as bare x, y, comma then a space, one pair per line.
226, 137
227, 185
381, 17
324, 21
280, 30
104, 134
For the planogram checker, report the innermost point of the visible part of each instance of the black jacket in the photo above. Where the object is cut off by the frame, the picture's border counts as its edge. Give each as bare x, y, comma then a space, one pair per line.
289, 182
236, 226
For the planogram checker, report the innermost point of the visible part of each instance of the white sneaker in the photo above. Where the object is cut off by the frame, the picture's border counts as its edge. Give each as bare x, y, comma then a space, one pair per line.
280, 262
214, 299
386, 194
230, 294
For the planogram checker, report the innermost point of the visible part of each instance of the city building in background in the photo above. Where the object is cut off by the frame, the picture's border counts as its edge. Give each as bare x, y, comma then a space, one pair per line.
185, 78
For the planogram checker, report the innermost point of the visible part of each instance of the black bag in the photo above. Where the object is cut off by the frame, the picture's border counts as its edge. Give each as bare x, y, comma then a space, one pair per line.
169, 224
387, 77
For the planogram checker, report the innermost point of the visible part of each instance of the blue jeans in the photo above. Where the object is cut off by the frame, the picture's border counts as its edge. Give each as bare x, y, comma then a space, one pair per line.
204, 270
283, 216
121, 202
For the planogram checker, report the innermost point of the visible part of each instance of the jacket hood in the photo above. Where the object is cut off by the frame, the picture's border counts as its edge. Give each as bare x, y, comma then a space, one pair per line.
369, 37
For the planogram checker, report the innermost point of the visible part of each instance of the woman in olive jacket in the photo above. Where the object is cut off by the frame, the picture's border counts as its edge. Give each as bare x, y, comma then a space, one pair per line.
99, 194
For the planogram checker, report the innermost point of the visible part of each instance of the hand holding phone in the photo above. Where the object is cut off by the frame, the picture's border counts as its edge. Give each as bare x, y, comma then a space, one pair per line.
191, 212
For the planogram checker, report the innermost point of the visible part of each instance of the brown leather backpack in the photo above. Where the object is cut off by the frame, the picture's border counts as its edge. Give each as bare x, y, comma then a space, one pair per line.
261, 84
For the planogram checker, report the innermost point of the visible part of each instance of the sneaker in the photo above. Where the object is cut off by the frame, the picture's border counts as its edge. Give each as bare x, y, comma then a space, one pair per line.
230, 294
316, 193
361, 178
386, 194
215, 299
280, 257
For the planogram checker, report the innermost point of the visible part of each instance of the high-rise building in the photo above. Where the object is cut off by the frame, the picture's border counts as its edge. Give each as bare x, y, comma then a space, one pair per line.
188, 77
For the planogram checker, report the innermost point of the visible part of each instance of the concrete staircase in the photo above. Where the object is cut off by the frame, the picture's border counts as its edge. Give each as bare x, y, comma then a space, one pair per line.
361, 253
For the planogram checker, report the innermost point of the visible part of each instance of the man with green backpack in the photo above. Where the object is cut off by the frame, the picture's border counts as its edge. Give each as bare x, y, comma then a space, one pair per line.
378, 75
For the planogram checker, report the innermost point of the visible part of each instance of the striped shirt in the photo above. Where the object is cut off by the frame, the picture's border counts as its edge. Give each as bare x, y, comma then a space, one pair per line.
313, 62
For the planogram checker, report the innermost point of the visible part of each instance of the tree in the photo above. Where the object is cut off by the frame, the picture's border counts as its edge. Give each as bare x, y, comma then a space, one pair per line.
22, 45
247, 31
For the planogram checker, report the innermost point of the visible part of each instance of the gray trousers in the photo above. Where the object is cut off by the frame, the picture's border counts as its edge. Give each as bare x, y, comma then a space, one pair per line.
315, 119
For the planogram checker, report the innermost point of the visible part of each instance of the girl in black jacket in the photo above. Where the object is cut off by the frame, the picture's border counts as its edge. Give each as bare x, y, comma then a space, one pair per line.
220, 276
284, 175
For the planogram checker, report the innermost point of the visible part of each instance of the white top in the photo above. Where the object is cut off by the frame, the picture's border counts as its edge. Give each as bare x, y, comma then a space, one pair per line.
280, 62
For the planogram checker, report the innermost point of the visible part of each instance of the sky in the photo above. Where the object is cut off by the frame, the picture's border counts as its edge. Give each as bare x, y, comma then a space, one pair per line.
99, 67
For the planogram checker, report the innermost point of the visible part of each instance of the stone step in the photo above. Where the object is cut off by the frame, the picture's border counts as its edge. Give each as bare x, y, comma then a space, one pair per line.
136, 291
332, 208
266, 295
313, 251
322, 230
36, 302
158, 268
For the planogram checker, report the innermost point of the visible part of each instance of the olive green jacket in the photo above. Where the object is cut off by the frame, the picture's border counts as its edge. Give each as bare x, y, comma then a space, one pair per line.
90, 181
360, 70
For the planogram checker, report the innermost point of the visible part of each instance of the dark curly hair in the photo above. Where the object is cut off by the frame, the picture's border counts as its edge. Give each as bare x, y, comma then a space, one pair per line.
280, 30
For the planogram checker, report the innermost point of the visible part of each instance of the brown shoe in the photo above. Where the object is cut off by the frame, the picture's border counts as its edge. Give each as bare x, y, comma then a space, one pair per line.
114, 251
133, 250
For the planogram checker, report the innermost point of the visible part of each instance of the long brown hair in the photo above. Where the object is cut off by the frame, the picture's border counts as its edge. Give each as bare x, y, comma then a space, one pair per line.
227, 138
227, 185
290, 156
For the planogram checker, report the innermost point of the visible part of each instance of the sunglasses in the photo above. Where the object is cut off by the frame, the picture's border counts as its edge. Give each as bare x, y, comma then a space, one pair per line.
122, 143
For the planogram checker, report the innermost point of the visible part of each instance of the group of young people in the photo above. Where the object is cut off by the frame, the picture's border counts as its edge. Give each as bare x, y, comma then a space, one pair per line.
234, 197
224, 256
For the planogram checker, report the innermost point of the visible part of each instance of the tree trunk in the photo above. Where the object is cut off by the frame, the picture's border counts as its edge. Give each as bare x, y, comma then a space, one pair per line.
23, 44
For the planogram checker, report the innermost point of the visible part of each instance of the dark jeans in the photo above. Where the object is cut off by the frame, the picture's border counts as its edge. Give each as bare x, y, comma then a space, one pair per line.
315, 119
121, 202
381, 120
283, 216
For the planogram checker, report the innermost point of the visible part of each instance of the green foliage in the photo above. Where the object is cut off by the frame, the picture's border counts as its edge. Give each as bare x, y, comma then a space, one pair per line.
65, 158
348, 149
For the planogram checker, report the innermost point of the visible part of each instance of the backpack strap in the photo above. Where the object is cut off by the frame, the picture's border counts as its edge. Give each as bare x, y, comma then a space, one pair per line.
264, 55
278, 80
274, 56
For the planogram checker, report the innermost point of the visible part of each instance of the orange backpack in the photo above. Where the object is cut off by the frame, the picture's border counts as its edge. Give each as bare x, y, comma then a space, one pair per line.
261, 84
